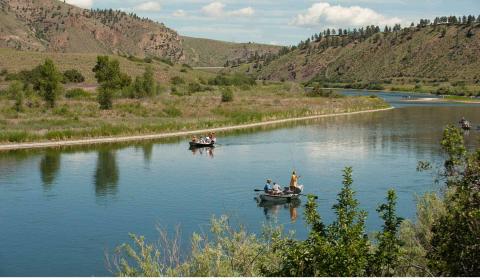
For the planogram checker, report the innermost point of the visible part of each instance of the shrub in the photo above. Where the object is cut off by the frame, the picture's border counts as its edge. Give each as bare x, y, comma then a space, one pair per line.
318, 91
375, 86
47, 81
105, 97
4, 72
77, 93
227, 95
236, 79
177, 80
194, 87
16, 92
73, 76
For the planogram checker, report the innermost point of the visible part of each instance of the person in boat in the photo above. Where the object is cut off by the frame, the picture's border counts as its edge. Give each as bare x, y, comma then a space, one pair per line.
277, 189
268, 186
293, 181
213, 138
194, 139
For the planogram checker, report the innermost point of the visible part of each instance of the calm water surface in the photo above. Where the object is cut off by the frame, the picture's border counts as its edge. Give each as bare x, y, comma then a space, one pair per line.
61, 210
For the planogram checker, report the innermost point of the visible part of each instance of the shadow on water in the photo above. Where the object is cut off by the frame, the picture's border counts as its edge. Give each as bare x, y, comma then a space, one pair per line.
49, 168
106, 174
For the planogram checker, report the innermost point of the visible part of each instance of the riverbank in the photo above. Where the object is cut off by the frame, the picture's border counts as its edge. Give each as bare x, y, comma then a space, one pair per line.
23, 146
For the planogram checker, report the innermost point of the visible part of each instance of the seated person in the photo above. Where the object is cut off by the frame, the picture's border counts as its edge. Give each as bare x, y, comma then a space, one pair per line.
268, 186
277, 189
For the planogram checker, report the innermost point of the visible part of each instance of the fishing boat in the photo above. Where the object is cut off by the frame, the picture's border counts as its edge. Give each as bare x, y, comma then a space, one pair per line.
279, 197
201, 145
466, 125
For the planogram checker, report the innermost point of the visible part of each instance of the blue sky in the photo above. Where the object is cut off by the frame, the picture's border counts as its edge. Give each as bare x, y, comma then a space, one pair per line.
280, 21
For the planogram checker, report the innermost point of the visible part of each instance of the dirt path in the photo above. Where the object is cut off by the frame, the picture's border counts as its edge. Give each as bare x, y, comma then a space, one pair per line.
23, 146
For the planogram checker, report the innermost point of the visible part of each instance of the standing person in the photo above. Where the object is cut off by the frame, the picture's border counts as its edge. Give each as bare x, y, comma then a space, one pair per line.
293, 181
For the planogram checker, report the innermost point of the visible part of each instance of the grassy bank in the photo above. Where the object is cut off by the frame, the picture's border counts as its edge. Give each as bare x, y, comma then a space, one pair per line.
81, 118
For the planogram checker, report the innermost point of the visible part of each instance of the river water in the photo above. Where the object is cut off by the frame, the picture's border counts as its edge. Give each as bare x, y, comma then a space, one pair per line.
61, 210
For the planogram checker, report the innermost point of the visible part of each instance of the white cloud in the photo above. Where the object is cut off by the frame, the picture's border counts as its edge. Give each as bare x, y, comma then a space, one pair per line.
214, 9
324, 13
217, 9
87, 4
150, 6
245, 12
179, 13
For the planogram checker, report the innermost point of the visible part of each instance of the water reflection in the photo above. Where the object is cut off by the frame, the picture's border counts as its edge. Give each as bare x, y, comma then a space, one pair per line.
106, 173
271, 210
49, 167
147, 152
203, 151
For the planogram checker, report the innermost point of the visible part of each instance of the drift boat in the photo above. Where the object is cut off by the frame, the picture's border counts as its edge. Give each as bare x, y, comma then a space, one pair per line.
278, 198
201, 145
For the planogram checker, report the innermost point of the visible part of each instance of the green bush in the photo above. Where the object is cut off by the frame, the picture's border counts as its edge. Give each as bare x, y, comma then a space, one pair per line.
318, 91
16, 92
77, 93
236, 79
194, 87
73, 76
177, 80
227, 95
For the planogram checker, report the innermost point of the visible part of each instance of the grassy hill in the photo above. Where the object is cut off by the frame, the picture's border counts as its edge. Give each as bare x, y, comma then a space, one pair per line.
206, 52
416, 55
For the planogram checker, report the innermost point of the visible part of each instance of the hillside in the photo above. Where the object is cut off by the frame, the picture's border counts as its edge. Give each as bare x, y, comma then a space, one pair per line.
430, 52
206, 52
53, 26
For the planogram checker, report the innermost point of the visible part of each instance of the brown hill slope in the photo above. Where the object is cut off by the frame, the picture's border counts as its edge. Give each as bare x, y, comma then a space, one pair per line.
432, 52
206, 52
51, 25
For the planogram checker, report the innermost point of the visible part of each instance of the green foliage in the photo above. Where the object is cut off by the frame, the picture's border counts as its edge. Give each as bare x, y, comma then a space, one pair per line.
227, 94
47, 82
108, 75
230, 252
105, 97
194, 87
144, 86
16, 91
177, 81
73, 76
236, 79
387, 256
455, 242
77, 93
318, 91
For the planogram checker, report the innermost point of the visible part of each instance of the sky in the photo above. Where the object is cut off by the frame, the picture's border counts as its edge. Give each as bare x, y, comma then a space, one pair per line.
280, 22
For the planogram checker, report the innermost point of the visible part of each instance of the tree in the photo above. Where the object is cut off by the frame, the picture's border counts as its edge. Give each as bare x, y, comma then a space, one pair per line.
108, 75
47, 82
387, 255
456, 235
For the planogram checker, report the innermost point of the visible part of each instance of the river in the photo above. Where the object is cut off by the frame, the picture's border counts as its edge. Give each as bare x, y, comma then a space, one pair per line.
61, 210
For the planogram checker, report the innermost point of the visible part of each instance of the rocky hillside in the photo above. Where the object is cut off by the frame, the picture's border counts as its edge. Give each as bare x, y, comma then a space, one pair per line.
439, 52
52, 25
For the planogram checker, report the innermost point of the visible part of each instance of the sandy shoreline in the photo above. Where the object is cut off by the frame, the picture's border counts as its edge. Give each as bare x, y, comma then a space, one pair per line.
37, 145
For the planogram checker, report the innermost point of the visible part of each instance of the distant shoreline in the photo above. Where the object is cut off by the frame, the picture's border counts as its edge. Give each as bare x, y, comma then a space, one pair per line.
106, 140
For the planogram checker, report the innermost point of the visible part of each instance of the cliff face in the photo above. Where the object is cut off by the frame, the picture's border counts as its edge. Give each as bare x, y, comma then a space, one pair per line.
51, 25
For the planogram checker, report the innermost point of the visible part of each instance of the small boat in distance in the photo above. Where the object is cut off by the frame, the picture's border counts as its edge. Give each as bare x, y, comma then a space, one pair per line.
203, 142
201, 145
465, 125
